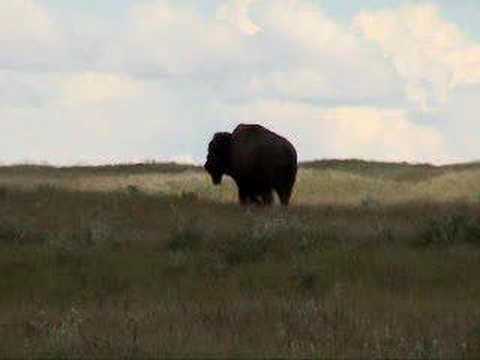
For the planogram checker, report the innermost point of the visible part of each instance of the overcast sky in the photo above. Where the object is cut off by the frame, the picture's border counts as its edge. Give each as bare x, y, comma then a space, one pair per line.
89, 81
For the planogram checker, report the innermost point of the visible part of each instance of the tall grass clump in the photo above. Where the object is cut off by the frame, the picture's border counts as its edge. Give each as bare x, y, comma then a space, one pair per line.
249, 246
187, 233
15, 232
3, 193
272, 236
450, 229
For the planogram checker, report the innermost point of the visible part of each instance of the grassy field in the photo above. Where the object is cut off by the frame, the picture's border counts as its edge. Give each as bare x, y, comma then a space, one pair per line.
372, 260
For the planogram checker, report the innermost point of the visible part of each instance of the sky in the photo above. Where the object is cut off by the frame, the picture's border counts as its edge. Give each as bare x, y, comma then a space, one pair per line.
96, 82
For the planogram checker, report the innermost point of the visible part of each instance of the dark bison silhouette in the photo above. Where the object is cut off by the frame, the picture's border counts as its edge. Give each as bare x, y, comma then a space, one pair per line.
258, 160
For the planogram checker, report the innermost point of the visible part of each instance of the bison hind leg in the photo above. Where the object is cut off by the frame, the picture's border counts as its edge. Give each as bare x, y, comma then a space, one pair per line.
285, 198
267, 198
284, 193
247, 197
284, 187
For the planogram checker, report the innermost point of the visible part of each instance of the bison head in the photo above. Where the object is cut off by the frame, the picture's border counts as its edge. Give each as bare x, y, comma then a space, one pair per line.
218, 158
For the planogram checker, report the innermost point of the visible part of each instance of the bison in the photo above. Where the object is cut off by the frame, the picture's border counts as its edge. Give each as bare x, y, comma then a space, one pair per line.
258, 160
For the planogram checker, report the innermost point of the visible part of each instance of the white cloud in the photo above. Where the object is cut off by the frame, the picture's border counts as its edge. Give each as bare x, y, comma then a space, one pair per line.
333, 82
100, 118
431, 54
348, 131
28, 35
187, 159
157, 84
236, 12
163, 37
458, 120
94, 87
26, 22
386, 134
301, 53
25, 89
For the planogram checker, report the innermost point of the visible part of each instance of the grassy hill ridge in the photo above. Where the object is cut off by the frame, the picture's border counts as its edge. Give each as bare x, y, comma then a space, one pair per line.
401, 171
320, 182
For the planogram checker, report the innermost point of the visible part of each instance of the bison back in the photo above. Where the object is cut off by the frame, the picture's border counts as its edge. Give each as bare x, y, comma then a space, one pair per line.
261, 155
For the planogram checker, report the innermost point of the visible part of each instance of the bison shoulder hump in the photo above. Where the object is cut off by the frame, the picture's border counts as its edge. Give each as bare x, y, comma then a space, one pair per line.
249, 128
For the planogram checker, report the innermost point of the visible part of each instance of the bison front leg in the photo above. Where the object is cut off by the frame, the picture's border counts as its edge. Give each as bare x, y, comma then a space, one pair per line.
243, 197
247, 198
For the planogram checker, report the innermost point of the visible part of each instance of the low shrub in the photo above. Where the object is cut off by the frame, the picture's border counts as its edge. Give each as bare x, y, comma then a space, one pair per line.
94, 234
187, 233
449, 229
12, 232
133, 190
247, 248
3, 193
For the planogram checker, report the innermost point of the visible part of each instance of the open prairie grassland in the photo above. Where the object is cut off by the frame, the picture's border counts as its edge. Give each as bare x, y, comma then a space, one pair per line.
372, 260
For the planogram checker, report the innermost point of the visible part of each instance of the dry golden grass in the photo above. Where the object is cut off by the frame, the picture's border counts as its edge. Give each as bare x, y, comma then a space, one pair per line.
314, 186
370, 261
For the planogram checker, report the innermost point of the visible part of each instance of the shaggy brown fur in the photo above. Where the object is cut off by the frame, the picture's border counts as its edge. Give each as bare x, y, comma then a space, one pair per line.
258, 160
